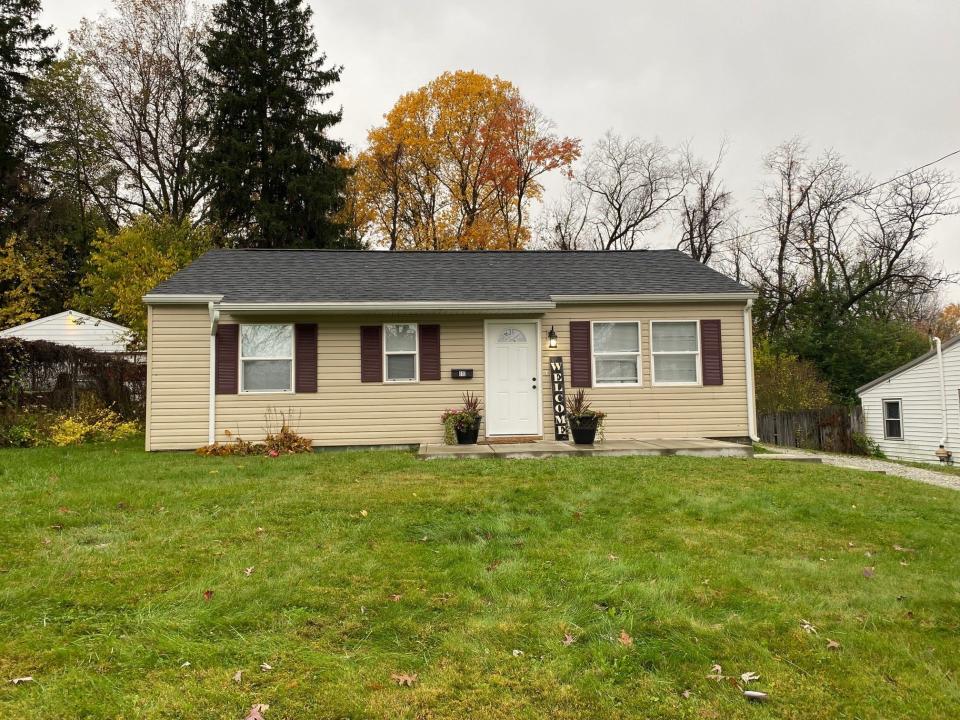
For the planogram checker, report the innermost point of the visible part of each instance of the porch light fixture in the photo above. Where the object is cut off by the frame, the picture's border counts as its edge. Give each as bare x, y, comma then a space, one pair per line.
551, 338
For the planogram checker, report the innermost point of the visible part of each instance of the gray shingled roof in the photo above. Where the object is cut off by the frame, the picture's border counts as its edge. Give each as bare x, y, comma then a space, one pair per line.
357, 275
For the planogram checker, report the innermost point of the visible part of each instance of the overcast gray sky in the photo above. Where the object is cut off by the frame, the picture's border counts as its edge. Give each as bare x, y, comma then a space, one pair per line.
876, 80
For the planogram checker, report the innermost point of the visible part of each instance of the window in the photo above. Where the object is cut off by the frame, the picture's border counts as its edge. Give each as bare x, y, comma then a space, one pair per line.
266, 358
892, 420
400, 352
616, 353
675, 349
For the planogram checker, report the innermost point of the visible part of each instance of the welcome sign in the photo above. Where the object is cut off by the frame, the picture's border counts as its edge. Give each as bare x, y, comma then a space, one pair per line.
559, 398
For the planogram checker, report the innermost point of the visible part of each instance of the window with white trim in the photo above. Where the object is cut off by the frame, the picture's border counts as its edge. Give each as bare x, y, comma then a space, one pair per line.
616, 353
893, 419
675, 352
266, 358
400, 352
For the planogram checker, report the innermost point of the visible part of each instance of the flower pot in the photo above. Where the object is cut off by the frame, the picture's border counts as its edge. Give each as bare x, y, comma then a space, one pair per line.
583, 429
468, 434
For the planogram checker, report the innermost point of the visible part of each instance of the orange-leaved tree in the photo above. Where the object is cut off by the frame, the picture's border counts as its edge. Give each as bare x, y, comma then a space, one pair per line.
455, 167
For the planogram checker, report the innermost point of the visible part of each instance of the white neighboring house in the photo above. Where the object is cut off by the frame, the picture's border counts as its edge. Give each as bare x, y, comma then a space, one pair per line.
75, 328
911, 411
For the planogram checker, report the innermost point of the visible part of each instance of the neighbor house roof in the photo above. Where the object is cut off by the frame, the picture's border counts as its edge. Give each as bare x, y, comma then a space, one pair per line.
944, 345
363, 276
74, 328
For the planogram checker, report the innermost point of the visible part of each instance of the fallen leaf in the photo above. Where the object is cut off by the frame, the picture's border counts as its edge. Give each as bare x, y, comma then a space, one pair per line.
207, 594
577, 515
832, 644
238, 676
903, 549
808, 627
256, 712
248, 571
868, 554
493, 566
749, 677
625, 639
904, 563
869, 571
58, 528
716, 673
568, 639
395, 597
20, 680
363, 513
260, 530
849, 544
686, 694
404, 679
715, 668
611, 556
46, 541
63, 510
185, 664
266, 667
518, 653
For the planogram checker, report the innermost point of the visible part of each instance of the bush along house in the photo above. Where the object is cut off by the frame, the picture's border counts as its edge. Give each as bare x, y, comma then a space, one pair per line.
364, 348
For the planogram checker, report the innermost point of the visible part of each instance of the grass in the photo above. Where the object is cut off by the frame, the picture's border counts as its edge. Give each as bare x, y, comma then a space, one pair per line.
938, 467
469, 574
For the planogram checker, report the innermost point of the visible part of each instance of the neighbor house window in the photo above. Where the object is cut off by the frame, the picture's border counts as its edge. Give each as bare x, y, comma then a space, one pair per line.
266, 358
616, 353
892, 420
400, 352
675, 349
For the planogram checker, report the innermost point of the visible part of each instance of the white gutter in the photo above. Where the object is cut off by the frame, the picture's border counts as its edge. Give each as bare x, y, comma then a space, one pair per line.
748, 350
654, 297
391, 307
171, 299
943, 394
212, 402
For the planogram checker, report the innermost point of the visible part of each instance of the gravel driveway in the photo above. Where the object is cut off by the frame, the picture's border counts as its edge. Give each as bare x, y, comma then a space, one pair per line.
931, 477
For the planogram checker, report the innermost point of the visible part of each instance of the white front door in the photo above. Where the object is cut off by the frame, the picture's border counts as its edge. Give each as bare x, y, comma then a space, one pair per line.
513, 378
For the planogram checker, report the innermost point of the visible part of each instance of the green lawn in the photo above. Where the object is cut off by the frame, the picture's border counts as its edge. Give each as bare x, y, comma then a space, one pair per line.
469, 574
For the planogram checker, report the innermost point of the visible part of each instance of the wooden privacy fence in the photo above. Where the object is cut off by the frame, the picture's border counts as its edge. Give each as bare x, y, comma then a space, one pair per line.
829, 429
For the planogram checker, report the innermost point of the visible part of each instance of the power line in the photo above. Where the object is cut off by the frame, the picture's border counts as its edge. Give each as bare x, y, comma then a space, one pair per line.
856, 194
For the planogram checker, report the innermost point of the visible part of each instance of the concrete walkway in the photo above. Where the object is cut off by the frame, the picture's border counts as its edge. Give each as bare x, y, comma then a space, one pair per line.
856, 462
553, 448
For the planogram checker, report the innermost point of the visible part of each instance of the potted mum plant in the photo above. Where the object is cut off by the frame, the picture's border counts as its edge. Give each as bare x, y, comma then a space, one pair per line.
584, 421
462, 425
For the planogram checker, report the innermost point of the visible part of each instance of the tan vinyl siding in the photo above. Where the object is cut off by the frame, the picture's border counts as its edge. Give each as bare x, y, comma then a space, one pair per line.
345, 411
660, 412
178, 376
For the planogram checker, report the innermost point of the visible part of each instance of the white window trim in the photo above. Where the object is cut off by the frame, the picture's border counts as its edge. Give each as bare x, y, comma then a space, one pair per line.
883, 412
699, 363
292, 359
416, 353
639, 355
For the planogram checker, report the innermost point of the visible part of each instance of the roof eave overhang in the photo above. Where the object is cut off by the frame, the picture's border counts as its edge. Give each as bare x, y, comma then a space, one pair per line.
654, 298
362, 308
180, 299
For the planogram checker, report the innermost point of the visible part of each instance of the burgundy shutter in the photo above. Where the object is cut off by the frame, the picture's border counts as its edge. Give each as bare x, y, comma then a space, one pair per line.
429, 352
580, 356
711, 352
227, 359
371, 353
305, 362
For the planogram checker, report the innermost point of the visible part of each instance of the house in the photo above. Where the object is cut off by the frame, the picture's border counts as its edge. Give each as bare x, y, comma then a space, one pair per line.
911, 411
368, 348
74, 328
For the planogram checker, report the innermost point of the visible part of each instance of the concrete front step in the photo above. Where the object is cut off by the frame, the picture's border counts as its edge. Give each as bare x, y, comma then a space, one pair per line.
552, 448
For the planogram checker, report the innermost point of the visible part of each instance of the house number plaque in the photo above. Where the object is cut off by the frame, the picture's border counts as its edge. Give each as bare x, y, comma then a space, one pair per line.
558, 398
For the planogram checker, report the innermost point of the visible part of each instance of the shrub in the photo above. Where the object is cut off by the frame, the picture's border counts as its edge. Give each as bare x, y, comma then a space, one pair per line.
97, 425
280, 439
865, 445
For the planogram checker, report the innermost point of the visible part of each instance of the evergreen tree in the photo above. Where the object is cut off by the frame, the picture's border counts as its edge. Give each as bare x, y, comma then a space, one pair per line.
22, 54
277, 177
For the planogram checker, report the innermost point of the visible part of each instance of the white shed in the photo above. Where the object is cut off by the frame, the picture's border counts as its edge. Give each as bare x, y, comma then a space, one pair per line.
910, 411
74, 328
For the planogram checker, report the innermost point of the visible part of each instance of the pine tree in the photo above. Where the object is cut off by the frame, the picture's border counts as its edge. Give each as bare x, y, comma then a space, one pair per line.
276, 175
23, 53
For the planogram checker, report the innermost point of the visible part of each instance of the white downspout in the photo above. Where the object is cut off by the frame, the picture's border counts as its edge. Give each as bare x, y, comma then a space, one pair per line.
748, 356
212, 416
943, 394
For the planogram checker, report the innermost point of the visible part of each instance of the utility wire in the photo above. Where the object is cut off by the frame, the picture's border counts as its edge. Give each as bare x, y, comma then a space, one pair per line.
853, 195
